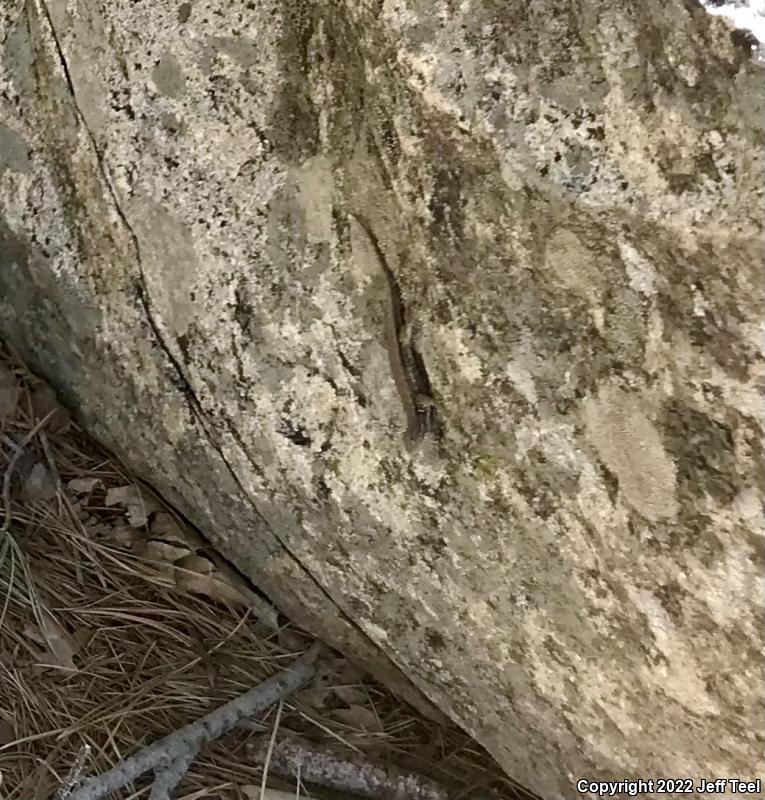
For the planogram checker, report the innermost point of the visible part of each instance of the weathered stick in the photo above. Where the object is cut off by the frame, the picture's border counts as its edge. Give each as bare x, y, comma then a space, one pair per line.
167, 779
349, 773
74, 777
176, 746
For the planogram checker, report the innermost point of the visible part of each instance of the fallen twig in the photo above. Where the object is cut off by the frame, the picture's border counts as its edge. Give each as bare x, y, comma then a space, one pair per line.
165, 780
74, 777
348, 773
167, 754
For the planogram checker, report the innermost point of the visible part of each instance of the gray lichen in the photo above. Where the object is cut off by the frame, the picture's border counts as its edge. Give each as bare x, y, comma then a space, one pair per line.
568, 200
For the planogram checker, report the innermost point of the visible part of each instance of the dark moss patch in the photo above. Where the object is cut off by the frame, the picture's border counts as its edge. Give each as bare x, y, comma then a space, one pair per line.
294, 123
703, 450
745, 40
611, 481
184, 342
243, 308
430, 548
670, 596
446, 204
543, 484
435, 639
716, 330
294, 432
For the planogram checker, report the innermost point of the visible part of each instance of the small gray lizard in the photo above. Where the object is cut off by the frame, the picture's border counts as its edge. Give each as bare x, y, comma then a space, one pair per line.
406, 362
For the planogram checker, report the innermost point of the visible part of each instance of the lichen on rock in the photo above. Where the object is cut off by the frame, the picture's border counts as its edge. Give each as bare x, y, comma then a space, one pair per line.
565, 251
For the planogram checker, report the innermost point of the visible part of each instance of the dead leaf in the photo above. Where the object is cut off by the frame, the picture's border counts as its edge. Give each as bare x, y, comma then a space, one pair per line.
33, 633
164, 552
212, 587
44, 401
139, 504
120, 535
197, 574
166, 526
352, 695
358, 717
121, 495
10, 391
316, 697
39, 484
268, 617
193, 562
82, 485
60, 645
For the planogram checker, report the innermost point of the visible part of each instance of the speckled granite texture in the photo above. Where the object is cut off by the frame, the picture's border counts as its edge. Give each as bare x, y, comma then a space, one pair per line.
443, 320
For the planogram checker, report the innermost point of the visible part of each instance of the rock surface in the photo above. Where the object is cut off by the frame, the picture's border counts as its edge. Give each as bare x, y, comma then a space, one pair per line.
442, 320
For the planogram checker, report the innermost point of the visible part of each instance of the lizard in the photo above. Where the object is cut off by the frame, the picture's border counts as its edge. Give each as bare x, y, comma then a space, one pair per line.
406, 362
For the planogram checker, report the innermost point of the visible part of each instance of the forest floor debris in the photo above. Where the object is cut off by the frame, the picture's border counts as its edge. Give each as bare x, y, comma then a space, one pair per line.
118, 627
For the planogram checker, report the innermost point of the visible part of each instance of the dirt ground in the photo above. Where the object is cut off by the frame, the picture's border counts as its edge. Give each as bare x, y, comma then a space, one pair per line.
117, 628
